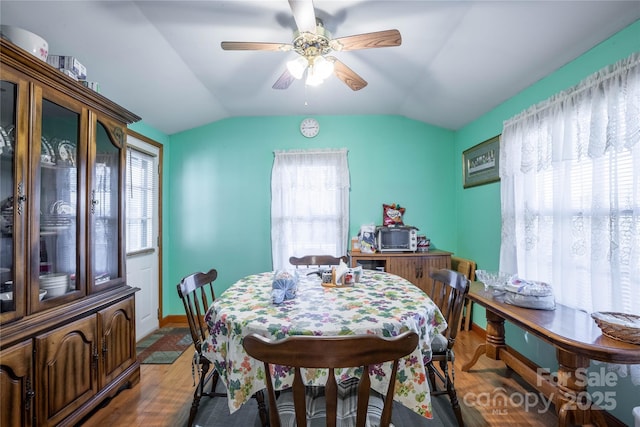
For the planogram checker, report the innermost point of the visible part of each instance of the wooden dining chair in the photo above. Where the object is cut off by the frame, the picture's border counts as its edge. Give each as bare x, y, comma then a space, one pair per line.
334, 401
448, 291
317, 260
196, 292
468, 268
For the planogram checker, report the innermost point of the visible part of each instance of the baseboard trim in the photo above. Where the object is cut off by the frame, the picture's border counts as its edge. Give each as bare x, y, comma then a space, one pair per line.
174, 319
478, 330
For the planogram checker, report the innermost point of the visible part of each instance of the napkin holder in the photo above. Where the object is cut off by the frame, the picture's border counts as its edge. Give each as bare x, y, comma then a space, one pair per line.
338, 277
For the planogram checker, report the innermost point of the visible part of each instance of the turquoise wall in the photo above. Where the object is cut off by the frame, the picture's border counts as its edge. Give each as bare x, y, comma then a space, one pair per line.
217, 188
220, 187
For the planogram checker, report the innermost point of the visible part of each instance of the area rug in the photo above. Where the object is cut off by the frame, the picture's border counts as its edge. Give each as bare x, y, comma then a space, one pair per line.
163, 346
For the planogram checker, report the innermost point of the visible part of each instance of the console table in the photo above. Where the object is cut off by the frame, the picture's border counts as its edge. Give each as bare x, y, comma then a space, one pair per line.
576, 338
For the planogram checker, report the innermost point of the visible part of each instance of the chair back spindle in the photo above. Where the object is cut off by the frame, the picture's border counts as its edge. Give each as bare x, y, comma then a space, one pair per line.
317, 260
331, 353
448, 291
195, 291
468, 268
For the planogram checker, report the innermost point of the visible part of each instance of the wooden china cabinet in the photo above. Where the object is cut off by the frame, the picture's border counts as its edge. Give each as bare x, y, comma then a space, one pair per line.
67, 315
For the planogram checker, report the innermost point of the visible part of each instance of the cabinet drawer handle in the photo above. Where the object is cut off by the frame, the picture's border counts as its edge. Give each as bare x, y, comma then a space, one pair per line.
29, 396
95, 357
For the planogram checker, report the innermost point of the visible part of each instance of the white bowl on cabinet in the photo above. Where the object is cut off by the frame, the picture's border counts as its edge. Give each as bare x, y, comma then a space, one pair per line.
32, 43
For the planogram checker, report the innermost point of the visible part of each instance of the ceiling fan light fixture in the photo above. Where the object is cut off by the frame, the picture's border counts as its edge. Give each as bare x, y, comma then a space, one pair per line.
313, 77
314, 44
297, 66
322, 67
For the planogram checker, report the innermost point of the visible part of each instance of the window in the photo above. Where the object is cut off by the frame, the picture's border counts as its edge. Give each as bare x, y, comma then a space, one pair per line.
570, 171
309, 204
140, 203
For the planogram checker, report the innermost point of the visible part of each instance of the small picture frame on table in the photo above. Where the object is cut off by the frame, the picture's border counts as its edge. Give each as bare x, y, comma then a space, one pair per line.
481, 163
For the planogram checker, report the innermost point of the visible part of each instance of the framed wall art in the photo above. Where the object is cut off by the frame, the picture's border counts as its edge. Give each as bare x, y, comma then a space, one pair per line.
480, 163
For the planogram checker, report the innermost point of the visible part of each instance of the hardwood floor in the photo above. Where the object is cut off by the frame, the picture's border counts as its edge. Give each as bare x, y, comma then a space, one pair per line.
490, 395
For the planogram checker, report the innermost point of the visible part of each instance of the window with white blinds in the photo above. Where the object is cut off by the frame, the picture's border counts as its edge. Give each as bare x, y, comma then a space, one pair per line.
141, 181
309, 204
570, 191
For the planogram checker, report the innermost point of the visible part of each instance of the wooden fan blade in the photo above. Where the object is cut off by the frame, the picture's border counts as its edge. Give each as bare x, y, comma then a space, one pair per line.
386, 38
284, 81
304, 15
347, 75
281, 47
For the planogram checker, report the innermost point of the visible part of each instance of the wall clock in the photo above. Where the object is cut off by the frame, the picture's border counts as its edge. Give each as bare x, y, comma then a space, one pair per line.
309, 127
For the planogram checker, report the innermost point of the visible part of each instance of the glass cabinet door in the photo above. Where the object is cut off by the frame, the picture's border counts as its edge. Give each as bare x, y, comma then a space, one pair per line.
58, 183
106, 209
12, 201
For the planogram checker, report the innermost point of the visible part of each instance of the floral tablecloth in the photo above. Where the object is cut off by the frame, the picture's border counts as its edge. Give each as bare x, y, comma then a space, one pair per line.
381, 303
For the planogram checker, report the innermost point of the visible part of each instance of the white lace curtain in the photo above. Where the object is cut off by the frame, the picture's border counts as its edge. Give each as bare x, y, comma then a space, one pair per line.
309, 204
570, 183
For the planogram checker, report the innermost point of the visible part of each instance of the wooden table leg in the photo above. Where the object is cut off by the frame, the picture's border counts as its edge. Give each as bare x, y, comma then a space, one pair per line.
572, 401
467, 315
495, 340
480, 350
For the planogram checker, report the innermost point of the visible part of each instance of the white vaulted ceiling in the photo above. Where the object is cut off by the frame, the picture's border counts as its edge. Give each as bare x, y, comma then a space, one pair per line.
458, 59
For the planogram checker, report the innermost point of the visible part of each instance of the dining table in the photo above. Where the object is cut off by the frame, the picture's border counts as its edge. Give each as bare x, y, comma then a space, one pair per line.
380, 303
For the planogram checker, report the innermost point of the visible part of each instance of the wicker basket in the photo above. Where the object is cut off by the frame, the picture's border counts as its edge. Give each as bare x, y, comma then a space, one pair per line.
620, 326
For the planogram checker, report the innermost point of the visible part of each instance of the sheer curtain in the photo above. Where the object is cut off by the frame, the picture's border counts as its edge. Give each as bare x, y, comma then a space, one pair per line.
309, 204
570, 183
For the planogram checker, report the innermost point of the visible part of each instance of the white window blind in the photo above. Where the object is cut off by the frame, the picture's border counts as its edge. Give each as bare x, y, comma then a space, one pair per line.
570, 183
141, 182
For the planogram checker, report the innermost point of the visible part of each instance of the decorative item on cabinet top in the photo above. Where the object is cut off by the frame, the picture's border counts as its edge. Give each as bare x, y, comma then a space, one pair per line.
25, 39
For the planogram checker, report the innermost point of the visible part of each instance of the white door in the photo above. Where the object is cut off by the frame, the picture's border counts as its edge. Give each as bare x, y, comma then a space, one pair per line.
142, 226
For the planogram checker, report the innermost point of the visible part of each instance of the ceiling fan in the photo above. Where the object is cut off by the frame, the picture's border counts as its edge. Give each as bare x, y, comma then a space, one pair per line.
314, 44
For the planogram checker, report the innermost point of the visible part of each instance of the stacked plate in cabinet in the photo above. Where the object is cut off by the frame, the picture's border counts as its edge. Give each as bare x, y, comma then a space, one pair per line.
56, 284
55, 222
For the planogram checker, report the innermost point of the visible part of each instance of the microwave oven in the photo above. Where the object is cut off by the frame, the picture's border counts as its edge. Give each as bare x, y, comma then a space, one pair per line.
397, 239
